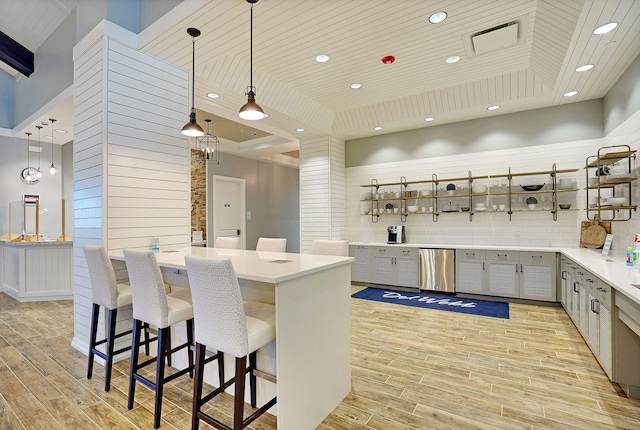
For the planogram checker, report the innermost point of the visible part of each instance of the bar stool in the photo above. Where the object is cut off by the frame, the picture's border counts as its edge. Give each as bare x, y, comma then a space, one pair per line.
271, 244
105, 292
225, 324
227, 242
151, 305
339, 248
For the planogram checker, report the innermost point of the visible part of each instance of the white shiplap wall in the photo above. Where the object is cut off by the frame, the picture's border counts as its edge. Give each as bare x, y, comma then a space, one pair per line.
322, 191
525, 228
131, 165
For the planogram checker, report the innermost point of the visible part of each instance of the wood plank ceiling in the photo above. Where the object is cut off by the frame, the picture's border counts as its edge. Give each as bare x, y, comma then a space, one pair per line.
554, 37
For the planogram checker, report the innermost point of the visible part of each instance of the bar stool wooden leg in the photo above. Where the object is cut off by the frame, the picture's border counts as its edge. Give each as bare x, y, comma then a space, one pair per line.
197, 385
164, 350
133, 368
92, 338
111, 335
252, 378
238, 401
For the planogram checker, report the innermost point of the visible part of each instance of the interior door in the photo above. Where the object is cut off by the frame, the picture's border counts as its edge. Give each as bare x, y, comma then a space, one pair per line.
228, 203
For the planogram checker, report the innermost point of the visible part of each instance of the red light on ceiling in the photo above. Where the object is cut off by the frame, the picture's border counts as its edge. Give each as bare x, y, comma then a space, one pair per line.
388, 59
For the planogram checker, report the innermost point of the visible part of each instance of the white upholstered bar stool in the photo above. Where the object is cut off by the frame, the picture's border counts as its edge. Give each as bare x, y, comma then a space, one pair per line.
153, 306
227, 325
339, 248
227, 242
105, 292
271, 244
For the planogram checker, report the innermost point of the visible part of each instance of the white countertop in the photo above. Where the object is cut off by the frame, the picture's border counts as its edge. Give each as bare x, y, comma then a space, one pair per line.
48, 242
270, 267
613, 271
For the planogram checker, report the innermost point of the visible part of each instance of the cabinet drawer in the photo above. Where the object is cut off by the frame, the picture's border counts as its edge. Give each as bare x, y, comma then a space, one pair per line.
503, 255
537, 258
605, 293
470, 254
405, 252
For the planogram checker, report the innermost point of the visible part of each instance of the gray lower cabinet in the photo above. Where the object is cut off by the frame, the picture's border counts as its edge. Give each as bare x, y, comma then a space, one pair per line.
518, 274
386, 265
470, 271
626, 354
588, 300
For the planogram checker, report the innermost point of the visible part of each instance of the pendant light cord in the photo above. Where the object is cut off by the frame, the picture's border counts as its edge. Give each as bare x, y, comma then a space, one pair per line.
193, 74
251, 51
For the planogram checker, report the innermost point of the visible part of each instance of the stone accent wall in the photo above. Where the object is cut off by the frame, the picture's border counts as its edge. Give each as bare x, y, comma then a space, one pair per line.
199, 192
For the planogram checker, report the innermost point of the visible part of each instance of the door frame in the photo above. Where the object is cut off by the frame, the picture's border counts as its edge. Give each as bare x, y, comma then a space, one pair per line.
212, 226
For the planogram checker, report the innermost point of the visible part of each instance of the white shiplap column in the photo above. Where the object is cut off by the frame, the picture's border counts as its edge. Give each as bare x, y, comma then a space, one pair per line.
130, 162
322, 191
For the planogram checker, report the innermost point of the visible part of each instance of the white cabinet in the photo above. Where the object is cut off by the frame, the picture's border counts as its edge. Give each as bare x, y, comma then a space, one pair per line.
386, 265
399, 266
360, 267
538, 276
502, 273
517, 274
588, 301
470, 271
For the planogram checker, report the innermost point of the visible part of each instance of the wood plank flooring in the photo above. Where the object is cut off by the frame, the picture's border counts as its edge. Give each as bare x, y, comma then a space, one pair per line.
412, 368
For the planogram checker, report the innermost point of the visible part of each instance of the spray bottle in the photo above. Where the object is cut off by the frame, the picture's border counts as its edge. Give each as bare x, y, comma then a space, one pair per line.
636, 251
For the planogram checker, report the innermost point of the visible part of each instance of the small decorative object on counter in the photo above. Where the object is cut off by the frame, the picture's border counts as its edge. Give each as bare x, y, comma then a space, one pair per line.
629, 256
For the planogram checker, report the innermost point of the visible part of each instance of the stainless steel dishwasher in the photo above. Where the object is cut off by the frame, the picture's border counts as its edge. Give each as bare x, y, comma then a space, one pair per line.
437, 270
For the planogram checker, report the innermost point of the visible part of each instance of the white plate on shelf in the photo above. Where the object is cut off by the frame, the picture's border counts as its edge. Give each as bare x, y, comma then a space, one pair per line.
479, 209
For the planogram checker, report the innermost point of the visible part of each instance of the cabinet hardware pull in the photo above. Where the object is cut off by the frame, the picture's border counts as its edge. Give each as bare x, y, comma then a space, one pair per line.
563, 275
502, 255
602, 290
589, 280
539, 257
470, 253
593, 302
574, 287
580, 273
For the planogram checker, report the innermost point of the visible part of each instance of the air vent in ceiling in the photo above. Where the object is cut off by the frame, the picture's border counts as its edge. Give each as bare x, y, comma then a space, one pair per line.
491, 39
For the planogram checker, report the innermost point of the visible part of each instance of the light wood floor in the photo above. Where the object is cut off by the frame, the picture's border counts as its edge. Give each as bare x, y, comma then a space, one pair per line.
411, 368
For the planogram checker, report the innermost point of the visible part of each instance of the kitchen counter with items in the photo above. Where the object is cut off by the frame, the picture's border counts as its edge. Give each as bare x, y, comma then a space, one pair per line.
613, 270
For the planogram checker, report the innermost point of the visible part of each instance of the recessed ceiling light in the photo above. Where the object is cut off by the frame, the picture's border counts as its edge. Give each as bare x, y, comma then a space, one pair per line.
356, 86
453, 59
584, 68
570, 94
322, 58
49, 137
266, 115
299, 130
438, 17
494, 107
430, 119
213, 95
378, 128
605, 28
59, 130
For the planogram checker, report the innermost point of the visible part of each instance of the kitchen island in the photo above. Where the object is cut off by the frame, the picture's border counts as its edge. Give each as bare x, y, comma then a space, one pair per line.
312, 352
37, 271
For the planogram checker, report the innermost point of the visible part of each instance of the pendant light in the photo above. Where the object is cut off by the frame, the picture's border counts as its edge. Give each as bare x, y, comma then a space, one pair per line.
251, 110
29, 174
52, 169
209, 145
39, 172
193, 128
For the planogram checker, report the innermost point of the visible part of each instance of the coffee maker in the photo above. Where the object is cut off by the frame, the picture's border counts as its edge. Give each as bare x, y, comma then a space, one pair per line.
395, 234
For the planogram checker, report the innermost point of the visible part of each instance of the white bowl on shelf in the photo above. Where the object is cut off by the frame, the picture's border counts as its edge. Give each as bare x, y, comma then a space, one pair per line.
412, 209
531, 206
478, 188
616, 201
425, 193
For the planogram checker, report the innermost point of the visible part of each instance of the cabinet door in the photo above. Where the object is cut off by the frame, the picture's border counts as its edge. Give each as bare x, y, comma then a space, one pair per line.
382, 270
360, 268
564, 281
605, 344
538, 276
584, 310
592, 321
502, 279
407, 272
470, 277
575, 302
